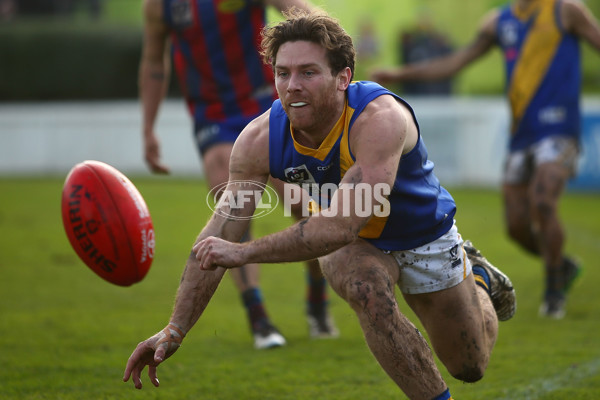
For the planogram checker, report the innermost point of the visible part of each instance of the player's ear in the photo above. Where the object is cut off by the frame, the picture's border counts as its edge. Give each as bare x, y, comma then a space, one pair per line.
344, 77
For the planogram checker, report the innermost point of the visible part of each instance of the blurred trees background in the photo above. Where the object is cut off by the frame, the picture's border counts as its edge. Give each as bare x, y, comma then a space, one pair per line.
69, 49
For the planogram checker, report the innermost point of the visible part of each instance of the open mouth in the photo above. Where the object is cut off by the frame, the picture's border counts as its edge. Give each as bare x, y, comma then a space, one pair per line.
298, 104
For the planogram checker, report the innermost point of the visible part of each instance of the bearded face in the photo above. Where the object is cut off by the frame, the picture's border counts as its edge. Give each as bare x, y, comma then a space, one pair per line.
311, 96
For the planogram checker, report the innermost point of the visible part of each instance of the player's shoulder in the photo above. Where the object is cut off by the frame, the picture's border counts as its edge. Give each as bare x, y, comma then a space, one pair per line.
385, 104
253, 141
366, 96
381, 119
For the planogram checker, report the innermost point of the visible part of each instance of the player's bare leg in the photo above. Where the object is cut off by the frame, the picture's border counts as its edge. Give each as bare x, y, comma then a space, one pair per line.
245, 278
518, 217
462, 325
546, 187
533, 222
320, 322
365, 278
544, 192
532, 215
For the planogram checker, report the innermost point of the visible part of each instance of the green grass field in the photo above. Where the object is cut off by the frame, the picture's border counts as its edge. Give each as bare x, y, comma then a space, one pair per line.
67, 334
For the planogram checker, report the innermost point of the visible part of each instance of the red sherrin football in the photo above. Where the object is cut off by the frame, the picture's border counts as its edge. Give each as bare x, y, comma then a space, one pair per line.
107, 222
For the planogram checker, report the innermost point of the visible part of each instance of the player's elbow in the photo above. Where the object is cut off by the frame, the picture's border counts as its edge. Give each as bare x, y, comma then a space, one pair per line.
339, 233
338, 239
347, 231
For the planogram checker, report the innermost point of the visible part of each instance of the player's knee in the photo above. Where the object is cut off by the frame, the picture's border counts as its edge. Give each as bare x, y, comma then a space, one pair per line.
469, 366
545, 209
519, 231
514, 232
469, 374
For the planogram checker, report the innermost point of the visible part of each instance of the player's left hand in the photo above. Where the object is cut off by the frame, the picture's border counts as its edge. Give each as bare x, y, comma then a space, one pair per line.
152, 352
214, 252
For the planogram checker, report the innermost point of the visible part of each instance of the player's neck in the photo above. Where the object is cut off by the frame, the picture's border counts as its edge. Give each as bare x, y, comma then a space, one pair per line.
313, 137
526, 5
524, 9
309, 138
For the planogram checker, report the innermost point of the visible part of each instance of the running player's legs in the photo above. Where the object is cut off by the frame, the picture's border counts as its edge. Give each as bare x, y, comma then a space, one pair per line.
555, 159
534, 181
545, 190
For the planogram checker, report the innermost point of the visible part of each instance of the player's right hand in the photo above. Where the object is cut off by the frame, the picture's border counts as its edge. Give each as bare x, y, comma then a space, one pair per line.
152, 352
152, 155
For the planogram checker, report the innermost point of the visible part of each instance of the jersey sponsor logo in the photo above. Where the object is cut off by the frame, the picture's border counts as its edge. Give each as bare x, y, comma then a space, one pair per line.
508, 33
552, 115
299, 175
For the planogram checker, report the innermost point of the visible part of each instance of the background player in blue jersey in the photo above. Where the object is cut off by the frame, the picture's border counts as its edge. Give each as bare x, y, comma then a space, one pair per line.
325, 130
213, 46
539, 40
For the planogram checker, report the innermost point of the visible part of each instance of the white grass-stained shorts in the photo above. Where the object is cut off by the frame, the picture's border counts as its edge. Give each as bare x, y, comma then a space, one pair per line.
520, 166
438, 265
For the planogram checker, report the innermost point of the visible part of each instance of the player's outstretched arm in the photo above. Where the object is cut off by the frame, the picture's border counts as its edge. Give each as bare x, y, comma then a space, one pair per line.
579, 20
446, 66
197, 286
248, 162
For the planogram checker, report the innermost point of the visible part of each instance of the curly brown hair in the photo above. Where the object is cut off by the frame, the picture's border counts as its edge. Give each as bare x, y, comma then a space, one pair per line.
316, 27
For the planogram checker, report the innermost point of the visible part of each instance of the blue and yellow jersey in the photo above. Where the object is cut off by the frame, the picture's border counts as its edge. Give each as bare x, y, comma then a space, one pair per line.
215, 55
543, 73
420, 209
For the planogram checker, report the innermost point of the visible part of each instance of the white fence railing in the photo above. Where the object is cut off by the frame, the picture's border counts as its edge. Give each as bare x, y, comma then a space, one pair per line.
466, 138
